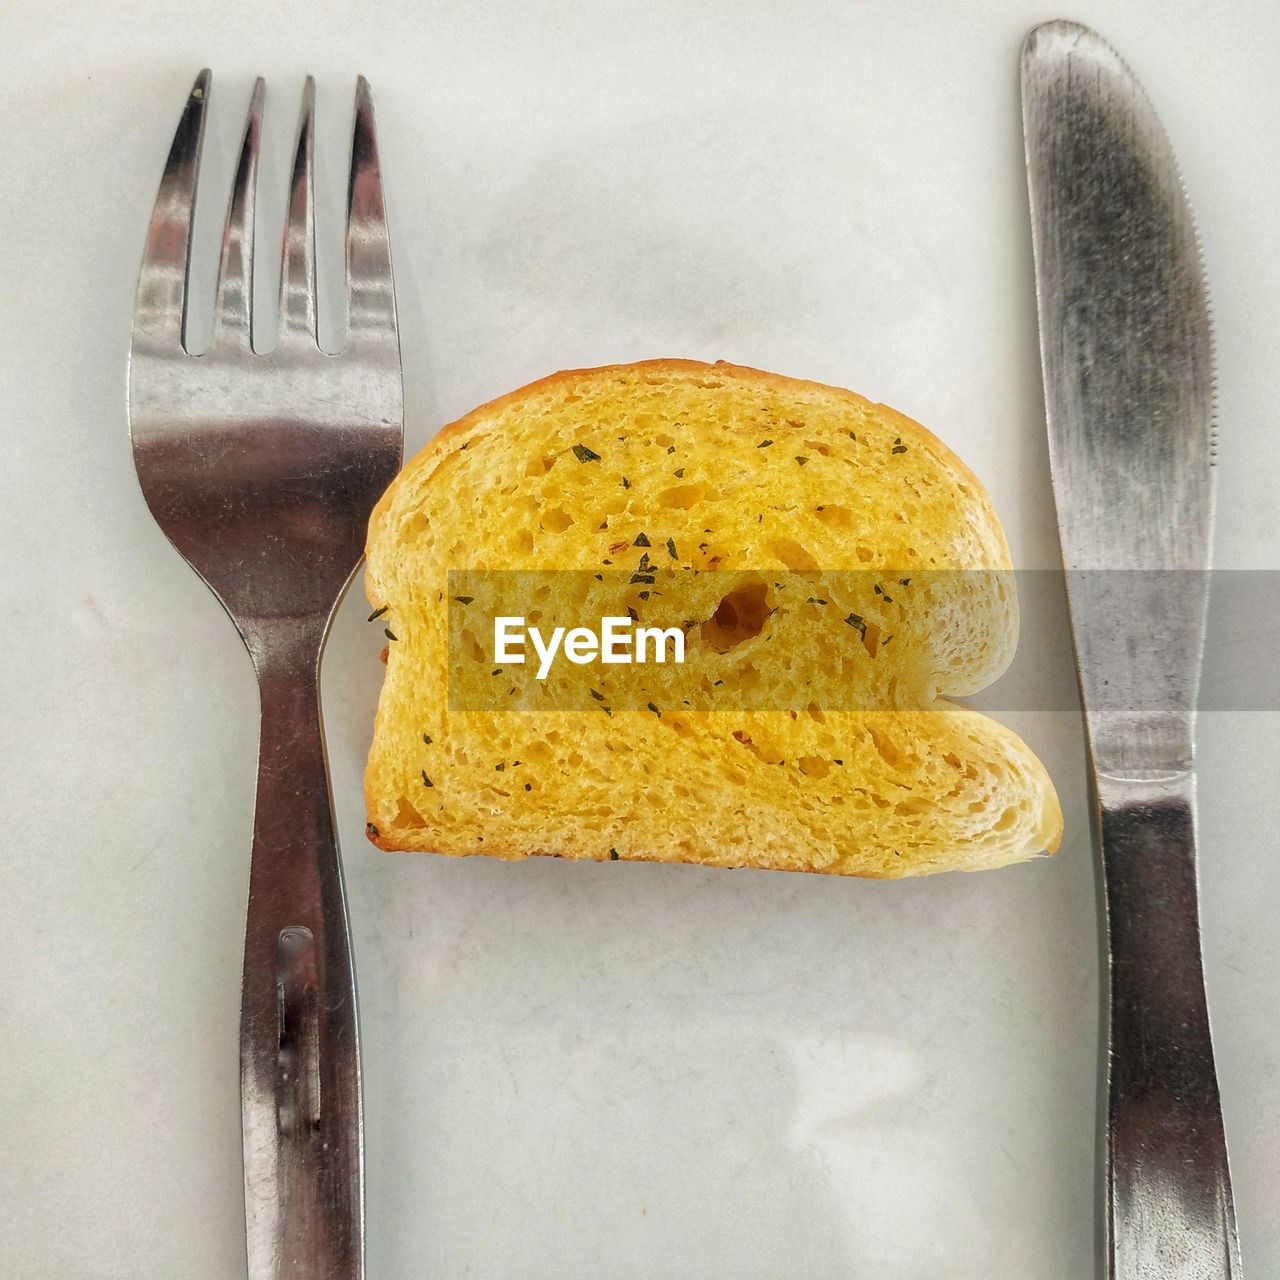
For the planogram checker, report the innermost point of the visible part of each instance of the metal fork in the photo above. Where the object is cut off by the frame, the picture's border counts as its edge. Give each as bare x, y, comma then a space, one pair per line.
262, 469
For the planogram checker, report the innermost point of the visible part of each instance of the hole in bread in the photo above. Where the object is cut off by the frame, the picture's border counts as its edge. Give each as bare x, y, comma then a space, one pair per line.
683, 496
863, 553
408, 816
816, 713
871, 638
524, 542
444, 464
1006, 820
885, 747
738, 617
915, 804
816, 446
766, 752
814, 766
540, 466
664, 440
833, 514
792, 554
557, 520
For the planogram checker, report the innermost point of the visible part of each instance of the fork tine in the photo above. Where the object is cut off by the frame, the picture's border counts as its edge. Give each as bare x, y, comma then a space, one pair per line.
160, 310
298, 273
371, 298
233, 318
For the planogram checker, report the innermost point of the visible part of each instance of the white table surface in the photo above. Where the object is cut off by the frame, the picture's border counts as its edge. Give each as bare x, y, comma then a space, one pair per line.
607, 1071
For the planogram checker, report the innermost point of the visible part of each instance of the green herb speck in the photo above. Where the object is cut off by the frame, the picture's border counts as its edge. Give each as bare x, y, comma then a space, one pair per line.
377, 613
583, 454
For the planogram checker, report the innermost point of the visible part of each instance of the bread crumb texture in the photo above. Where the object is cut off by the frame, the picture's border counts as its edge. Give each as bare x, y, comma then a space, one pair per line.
738, 470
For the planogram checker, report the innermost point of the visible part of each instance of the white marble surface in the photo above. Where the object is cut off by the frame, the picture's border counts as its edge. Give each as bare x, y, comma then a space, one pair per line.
587, 1071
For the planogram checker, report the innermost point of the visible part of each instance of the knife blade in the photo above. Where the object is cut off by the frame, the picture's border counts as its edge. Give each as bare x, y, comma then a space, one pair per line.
1127, 361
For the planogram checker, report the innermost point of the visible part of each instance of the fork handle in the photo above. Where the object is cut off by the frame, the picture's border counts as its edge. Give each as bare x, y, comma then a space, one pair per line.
299, 1050
1169, 1211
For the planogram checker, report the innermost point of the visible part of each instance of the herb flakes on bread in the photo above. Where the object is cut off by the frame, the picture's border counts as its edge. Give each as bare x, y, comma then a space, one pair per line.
679, 465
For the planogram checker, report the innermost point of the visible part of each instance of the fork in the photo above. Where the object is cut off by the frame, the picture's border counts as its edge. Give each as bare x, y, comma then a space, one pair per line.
262, 468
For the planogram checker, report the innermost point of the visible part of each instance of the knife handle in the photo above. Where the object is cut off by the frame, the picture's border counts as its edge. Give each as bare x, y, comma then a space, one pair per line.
1169, 1211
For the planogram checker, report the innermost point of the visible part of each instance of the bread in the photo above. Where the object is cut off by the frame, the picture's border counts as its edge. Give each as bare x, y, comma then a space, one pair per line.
867, 579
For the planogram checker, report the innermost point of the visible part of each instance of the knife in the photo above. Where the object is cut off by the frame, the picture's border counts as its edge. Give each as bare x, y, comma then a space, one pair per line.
1126, 353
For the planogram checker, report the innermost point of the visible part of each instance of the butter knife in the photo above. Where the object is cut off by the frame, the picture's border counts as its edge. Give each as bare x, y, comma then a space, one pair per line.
1127, 358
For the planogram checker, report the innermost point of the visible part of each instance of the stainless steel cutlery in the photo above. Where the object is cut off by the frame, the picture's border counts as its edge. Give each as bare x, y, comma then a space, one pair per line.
1128, 375
262, 466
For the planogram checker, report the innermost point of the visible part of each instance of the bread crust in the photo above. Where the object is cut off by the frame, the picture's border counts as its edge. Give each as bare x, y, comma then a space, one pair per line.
917, 432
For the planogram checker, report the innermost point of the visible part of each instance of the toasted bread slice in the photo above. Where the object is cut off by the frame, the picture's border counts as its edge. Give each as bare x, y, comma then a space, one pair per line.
882, 583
